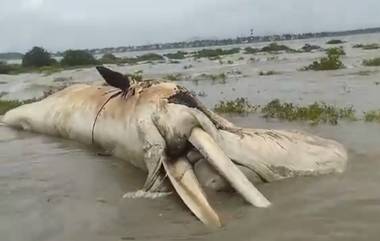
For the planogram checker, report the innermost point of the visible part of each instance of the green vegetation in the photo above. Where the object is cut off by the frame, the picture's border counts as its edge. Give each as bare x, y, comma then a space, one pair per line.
112, 59
212, 53
145, 57
6, 105
174, 77
335, 41
11, 55
39, 60
109, 59
149, 57
372, 62
214, 77
367, 46
239, 105
77, 58
275, 47
6, 68
177, 55
372, 116
188, 66
331, 62
316, 113
250, 50
271, 48
364, 72
37, 57
309, 48
269, 72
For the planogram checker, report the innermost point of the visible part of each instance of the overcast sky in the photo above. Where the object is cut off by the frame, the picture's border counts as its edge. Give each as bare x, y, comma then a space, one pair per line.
62, 24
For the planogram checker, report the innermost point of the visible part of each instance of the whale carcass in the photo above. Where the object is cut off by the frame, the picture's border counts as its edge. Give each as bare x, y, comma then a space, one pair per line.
161, 128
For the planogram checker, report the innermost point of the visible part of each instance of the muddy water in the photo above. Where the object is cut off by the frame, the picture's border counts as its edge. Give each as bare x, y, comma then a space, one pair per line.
54, 189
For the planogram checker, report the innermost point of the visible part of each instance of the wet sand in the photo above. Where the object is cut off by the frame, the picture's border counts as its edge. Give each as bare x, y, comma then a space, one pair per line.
54, 189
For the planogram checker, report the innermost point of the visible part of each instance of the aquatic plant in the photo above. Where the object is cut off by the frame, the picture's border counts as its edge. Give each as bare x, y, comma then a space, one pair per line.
309, 47
177, 55
239, 105
269, 72
372, 116
250, 50
364, 72
335, 41
109, 59
337, 51
149, 57
173, 77
212, 53
372, 62
5, 68
367, 46
145, 57
316, 113
331, 62
275, 47
221, 76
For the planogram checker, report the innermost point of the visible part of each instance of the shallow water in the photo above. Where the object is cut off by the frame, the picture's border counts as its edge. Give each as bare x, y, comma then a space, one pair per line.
54, 189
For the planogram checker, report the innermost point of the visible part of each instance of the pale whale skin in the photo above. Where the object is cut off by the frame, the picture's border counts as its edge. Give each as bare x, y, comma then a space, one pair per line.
146, 130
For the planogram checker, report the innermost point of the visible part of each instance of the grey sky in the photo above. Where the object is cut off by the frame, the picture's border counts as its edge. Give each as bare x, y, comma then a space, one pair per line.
62, 24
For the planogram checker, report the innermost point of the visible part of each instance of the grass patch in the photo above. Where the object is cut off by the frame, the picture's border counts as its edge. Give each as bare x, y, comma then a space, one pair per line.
177, 55
239, 105
269, 72
335, 41
221, 76
364, 72
309, 47
174, 77
367, 46
316, 113
271, 48
13, 69
275, 47
331, 62
250, 50
372, 62
215, 53
372, 116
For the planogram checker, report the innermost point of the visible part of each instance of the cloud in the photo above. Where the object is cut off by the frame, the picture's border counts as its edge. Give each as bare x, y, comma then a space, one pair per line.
62, 24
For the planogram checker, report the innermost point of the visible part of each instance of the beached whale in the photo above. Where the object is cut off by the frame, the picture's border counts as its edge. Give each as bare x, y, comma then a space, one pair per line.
161, 128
